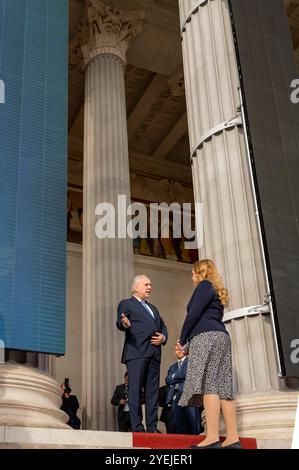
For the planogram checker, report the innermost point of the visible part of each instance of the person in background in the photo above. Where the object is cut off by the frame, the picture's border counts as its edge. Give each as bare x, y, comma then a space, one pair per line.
186, 419
166, 415
120, 399
70, 405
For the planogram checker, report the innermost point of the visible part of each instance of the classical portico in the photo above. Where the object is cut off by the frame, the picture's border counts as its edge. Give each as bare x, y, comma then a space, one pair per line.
137, 142
156, 114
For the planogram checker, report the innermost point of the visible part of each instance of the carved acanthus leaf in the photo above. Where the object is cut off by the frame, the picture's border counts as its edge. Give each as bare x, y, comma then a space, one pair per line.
108, 30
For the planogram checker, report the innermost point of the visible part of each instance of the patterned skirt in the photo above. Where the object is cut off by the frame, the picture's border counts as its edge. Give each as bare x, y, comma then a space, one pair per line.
209, 369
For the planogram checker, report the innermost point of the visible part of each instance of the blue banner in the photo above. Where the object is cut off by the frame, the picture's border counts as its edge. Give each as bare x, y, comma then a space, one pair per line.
33, 181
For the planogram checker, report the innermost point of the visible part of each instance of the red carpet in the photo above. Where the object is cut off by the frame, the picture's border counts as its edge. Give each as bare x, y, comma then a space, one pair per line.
177, 441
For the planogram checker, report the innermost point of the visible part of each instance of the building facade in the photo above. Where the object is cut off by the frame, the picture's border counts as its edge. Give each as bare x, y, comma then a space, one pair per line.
155, 114
147, 110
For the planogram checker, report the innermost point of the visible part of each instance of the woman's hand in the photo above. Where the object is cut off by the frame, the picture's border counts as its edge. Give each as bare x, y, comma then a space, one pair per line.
184, 349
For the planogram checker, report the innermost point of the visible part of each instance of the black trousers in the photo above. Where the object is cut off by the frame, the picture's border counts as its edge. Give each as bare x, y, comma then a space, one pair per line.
124, 421
186, 418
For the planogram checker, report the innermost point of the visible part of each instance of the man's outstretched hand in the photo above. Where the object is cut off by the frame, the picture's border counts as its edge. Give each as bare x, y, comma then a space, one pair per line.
125, 321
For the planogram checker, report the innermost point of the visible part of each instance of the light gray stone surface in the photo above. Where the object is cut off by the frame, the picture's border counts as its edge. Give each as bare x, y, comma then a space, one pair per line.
29, 397
107, 262
57, 437
222, 182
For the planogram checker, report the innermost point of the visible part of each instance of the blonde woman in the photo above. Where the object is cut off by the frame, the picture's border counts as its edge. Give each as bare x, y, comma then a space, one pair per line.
209, 373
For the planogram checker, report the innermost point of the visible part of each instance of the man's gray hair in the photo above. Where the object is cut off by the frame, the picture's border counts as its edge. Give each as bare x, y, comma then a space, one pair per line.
136, 280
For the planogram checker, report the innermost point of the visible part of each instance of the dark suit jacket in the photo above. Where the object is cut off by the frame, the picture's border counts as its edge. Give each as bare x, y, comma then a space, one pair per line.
143, 327
119, 394
175, 379
204, 312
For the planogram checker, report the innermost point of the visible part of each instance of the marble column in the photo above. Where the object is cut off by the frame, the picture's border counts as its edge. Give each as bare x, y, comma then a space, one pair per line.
221, 181
105, 35
29, 397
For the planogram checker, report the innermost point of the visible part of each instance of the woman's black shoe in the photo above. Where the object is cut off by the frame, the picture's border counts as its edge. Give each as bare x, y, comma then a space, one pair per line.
234, 445
214, 445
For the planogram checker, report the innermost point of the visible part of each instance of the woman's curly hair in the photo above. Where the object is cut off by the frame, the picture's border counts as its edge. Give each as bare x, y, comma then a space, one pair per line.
206, 269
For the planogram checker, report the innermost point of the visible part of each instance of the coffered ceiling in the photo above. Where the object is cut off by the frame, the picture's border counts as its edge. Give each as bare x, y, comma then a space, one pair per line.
156, 109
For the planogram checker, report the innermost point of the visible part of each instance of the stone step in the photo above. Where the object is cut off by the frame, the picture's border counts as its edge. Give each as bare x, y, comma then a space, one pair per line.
45, 438
59, 438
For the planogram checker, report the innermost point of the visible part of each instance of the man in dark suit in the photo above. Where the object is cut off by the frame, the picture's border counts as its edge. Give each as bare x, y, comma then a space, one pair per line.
166, 415
186, 418
145, 331
120, 399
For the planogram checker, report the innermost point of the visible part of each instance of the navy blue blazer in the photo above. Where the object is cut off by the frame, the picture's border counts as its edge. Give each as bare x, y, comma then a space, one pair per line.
175, 379
143, 326
204, 312
120, 393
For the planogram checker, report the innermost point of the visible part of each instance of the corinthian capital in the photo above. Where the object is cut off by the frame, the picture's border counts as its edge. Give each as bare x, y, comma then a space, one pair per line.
107, 30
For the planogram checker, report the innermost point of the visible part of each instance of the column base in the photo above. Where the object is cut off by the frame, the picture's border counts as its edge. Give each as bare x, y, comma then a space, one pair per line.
267, 415
29, 397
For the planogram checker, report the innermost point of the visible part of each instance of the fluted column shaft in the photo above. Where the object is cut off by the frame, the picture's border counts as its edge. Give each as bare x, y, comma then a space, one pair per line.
222, 182
107, 263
